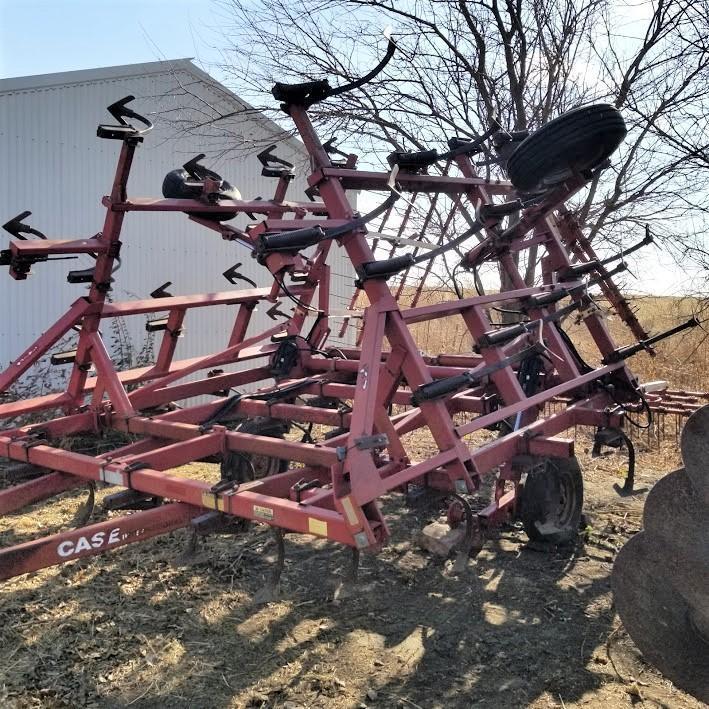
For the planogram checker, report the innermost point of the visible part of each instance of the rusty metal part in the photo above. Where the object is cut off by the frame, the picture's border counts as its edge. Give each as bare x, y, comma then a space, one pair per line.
675, 514
695, 451
671, 631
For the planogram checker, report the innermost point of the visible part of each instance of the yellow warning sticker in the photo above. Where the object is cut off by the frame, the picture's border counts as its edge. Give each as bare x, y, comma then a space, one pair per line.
317, 526
214, 502
350, 513
263, 512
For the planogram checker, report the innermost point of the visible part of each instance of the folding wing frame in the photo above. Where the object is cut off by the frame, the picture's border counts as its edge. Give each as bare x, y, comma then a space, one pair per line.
383, 388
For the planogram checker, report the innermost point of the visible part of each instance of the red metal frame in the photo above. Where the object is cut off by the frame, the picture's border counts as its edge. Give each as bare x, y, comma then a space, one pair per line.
383, 371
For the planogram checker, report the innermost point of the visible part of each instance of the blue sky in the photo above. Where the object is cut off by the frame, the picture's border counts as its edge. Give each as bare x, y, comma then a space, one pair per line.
44, 36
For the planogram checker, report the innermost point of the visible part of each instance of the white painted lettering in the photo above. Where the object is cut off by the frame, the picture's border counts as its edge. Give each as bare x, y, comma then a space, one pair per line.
96, 541
65, 548
82, 545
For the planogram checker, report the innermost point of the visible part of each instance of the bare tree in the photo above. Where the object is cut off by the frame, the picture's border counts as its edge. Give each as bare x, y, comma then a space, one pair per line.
464, 62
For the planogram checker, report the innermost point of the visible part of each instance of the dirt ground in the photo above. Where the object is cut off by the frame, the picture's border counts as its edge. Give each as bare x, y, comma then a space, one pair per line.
521, 627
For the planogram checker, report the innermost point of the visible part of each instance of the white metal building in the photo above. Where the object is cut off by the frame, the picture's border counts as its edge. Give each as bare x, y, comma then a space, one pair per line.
55, 166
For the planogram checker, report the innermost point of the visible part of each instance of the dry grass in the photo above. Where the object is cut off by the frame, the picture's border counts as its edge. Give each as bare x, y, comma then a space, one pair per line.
682, 360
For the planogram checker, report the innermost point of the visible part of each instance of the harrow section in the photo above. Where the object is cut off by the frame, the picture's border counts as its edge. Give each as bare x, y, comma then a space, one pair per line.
354, 404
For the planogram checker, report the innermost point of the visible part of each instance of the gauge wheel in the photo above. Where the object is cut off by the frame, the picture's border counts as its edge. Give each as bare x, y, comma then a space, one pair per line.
578, 140
551, 500
244, 467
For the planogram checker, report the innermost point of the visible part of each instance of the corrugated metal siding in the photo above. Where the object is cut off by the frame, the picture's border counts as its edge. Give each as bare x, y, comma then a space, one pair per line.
55, 166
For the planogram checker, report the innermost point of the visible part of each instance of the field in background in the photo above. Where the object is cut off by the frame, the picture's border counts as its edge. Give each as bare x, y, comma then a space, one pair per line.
682, 360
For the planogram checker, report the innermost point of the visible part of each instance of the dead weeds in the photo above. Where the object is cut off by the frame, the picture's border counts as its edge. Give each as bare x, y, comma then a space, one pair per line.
520, 627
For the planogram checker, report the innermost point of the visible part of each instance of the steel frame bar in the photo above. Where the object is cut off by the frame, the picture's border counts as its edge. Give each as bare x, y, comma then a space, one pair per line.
27, 493
93, 539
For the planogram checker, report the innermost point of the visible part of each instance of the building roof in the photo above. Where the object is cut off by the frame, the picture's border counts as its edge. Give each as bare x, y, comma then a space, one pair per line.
83, 76
169, 66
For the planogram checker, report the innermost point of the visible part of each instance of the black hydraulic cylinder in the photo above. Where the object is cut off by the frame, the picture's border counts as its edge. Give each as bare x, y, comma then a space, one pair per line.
83, 276
624, 352
497, 211
290, 241
423, 158
542, 299
505, 334
442, 387
580, 269
385, 269
450, 385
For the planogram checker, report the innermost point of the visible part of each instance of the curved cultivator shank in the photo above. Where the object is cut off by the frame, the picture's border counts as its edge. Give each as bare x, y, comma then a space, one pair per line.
661, 576
309, 419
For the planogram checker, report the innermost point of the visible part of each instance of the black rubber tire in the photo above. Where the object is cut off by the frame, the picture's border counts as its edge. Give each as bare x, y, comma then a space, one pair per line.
551, 500
580, 139
245, 467
175, 186
323, 402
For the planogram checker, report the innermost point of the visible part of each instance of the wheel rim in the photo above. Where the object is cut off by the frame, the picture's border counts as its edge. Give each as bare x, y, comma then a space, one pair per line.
551, 500
567, 498
264, 465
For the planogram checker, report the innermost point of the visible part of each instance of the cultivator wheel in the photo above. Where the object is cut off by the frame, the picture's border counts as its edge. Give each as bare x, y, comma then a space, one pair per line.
243, 467
661, 576
578, 140
551, 500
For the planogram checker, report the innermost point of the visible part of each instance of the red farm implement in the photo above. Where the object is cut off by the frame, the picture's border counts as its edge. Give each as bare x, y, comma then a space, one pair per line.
357, 402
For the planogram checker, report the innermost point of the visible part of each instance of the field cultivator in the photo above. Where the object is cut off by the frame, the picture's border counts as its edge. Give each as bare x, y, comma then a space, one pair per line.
355, 404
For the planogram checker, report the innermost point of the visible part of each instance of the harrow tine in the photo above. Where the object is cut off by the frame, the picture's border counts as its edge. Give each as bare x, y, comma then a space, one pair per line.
190, 555
354, 565
402, 225
23, 471
382, 225
272, 588
424, 277
347, 586
192, 544
83, 514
